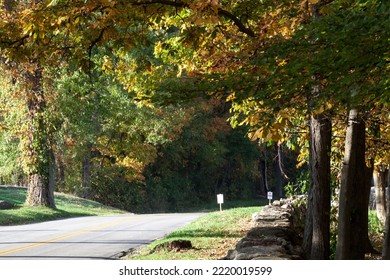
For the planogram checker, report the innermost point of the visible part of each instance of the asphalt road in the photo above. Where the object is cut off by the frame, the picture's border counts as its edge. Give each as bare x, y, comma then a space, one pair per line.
102, 237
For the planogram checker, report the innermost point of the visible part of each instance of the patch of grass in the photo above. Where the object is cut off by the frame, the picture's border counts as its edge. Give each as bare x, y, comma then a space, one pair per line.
67, 206
212, 235
228, 204
375, 230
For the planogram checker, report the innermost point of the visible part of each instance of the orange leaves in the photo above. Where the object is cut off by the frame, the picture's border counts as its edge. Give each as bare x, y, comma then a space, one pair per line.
216, 125
277, 23
202, 7
135, 167
205, 12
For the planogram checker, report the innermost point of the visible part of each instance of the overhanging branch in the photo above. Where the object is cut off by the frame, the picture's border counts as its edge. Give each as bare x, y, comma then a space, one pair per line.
237, 22
241, 27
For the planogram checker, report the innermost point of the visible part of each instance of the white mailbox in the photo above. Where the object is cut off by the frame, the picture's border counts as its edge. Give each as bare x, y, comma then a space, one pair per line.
269, 196
220, 201
220, 198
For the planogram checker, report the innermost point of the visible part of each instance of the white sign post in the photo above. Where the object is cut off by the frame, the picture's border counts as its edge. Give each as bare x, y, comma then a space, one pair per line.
269, 196
220, 201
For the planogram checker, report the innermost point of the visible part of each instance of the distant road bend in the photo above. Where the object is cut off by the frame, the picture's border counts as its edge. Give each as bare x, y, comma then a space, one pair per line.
97, 237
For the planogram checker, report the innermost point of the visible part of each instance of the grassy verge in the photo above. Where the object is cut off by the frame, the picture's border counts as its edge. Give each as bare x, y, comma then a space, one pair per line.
375, 231
212, 235
67, 206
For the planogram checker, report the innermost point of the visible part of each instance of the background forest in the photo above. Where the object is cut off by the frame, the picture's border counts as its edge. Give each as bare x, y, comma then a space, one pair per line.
109, 148
158, 105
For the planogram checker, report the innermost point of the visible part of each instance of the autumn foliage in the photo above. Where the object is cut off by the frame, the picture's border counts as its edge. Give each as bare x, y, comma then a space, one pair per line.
133, 102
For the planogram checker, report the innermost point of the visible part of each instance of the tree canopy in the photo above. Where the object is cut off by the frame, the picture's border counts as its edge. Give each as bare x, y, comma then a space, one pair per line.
124, 101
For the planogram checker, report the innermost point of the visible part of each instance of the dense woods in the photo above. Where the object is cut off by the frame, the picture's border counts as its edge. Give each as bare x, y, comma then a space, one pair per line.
158, 105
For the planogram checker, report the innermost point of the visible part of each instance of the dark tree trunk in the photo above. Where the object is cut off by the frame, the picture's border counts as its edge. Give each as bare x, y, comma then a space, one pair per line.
368, 248
263, 169
318, 225
320, 145
38, 155
279, 182
262, 187
386, 243
353, 209
308, 232
380, 192
280, 176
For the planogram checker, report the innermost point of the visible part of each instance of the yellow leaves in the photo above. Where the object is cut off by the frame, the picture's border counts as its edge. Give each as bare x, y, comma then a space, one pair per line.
314, 1
302, 157
62, 19
107, 64
266, 134
324, 107
130, 163
28, 30
53, 3
206, 20
158, 48
231, 97
276, 130
135, 168
282, 63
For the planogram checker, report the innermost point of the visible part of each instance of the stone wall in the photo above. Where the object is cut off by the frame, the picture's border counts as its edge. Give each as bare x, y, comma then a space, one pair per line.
277, 233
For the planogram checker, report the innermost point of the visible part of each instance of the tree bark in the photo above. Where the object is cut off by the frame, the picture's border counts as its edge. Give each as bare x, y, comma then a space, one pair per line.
280, 176
38, 155
308, 232
386, 243
263, 168
368, 248
318, 225
380, 174
353, 209
262, 186
320, 145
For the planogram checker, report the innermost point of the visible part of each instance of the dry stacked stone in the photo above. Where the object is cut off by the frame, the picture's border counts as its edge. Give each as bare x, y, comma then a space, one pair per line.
277, 233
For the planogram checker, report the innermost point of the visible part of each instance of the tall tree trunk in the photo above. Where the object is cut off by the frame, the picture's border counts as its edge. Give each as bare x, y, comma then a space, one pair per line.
278, 181
263, 168
386, 243
308, 232
38, 155
318, 226
353, 209
380, 174
320, 145
262, 187
368, 248
280, 176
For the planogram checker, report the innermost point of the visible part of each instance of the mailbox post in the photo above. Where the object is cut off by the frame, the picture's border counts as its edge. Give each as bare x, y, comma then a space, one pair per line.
269, 196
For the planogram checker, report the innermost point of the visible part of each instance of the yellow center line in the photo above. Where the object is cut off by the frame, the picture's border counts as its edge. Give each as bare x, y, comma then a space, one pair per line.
65, 236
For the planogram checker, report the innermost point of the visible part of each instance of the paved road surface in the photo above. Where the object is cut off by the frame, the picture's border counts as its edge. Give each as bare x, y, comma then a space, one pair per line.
102, 237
